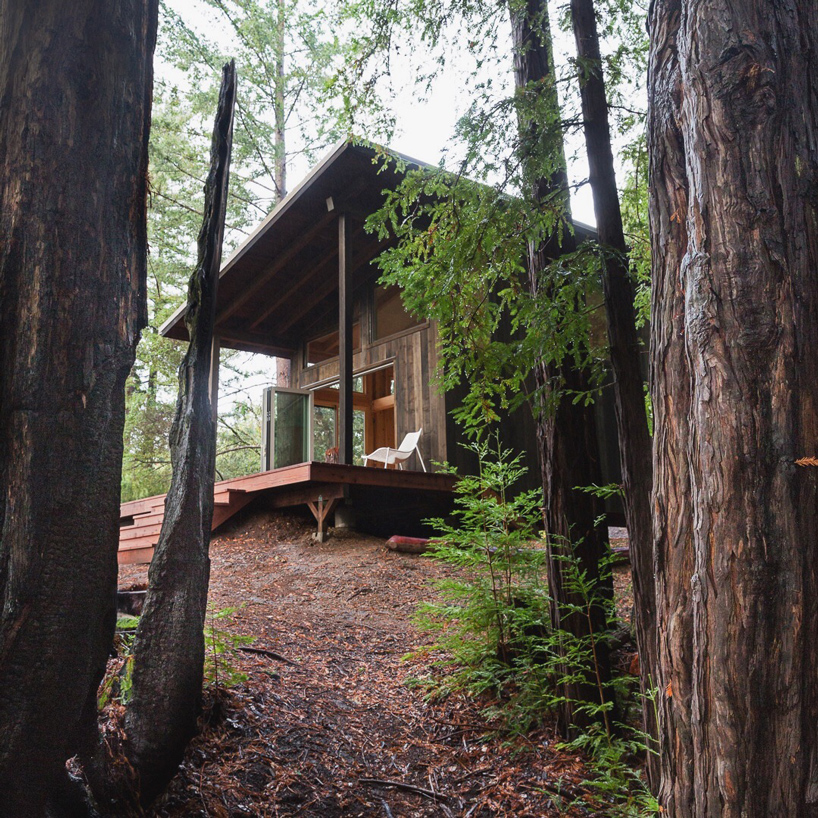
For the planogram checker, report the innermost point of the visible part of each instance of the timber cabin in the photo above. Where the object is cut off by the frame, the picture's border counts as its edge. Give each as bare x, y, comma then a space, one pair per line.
354, 371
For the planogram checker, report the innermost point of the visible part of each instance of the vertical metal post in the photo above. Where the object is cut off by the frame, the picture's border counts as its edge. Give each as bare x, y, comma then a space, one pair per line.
344, 345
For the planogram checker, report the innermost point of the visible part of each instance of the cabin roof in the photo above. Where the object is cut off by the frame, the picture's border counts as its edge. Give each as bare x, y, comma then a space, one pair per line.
280, 286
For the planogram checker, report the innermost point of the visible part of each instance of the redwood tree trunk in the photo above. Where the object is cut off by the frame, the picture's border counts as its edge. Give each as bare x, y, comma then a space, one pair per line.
569, 448
168, 649
75, 89
635, 448
733, 131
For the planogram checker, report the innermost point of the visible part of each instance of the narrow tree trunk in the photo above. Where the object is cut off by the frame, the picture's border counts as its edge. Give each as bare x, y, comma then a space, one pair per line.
280, 113
75, 90
169, 645
732, 133
168, 653
635, 448
569, 448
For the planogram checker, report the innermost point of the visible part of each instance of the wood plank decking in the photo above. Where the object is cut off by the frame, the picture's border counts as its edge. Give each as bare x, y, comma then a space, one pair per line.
379, 493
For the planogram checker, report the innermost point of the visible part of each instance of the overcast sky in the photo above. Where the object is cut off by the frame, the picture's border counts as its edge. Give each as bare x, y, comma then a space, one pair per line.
425, 127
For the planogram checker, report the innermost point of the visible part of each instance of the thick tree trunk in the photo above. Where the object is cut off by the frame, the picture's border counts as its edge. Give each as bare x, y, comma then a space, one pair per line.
168, 652
75, 89
569, 448
635, 448
732, 133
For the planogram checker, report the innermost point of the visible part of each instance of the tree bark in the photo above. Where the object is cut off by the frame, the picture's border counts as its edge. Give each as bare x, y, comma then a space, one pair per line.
168, 652
732, 132
75, 90
635, 447
279, 107
568, 443
169, 645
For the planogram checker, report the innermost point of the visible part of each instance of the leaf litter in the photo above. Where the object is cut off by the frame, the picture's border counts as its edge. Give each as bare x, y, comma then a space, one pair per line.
335, 730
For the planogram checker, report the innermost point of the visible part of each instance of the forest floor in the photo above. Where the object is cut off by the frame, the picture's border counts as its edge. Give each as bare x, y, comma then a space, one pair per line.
336, 730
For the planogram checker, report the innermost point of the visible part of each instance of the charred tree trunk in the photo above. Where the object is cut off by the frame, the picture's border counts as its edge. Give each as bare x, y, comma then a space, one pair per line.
635, 448
569, 448
75, 90
169, 646
733, 132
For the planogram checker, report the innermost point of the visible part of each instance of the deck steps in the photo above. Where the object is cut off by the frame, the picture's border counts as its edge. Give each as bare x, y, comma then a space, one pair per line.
141, 521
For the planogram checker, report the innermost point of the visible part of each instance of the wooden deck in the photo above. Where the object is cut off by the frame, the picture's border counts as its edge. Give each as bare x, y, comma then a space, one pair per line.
380, 498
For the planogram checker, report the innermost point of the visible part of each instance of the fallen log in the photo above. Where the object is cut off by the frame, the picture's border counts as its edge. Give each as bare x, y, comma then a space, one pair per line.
408, 545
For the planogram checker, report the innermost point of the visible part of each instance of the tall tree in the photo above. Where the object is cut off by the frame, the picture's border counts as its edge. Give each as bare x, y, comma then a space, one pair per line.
635, 448
75, 90
732, 133
287, 51
569, 447
498, 266
168, 650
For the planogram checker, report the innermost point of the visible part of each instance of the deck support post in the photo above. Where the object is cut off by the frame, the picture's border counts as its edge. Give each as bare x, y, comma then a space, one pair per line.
215, 349
321, 509
344, 344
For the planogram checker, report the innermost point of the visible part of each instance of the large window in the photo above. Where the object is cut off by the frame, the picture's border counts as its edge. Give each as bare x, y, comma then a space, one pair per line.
390, 314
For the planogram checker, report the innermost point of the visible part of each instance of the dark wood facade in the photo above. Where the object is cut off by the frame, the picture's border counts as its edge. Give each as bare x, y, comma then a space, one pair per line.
304, 287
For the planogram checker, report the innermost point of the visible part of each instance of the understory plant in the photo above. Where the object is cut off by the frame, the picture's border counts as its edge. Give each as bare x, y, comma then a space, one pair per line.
493, 629
222, 647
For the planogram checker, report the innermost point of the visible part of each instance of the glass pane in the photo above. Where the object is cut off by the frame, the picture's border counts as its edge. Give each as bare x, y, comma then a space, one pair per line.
390, 314
357, 384
324, 435
358, 436
291, 429
326, 347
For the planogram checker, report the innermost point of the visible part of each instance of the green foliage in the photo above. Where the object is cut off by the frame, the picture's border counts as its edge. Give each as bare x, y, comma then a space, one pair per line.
495, 630
117, 683
492, 608
603, 492
286, 52
221, 649
461, 259
634, 202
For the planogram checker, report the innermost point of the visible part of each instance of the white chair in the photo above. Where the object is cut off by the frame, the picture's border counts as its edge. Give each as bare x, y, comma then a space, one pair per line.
389, 456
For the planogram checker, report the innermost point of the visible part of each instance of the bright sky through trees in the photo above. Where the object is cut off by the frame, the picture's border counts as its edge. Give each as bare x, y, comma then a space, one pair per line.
424, 127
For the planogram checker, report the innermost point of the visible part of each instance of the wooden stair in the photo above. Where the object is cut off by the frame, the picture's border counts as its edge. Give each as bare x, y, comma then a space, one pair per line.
140, 522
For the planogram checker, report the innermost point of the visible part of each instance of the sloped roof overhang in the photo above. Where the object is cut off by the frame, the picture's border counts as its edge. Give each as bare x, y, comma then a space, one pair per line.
280, 285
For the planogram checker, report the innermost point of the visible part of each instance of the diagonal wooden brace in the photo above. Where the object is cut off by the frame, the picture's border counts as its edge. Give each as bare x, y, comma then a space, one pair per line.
321, 509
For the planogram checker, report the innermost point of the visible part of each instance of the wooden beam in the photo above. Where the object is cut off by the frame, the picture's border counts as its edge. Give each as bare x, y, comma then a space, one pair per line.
328, 287
386, 402
321, 509
344, 344
302, 284
275, 267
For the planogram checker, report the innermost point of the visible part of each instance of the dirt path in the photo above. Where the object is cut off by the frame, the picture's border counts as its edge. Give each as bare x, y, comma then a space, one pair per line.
303, 739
